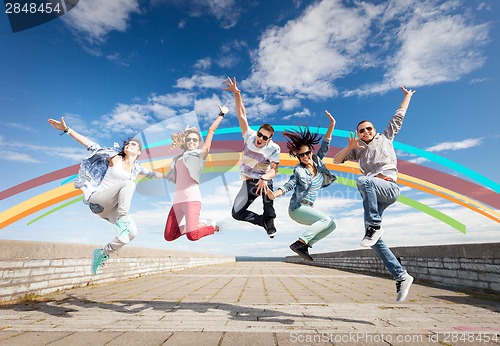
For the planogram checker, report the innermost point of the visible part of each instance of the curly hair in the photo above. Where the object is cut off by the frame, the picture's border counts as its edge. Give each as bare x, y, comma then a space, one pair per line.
179, 138
298, 138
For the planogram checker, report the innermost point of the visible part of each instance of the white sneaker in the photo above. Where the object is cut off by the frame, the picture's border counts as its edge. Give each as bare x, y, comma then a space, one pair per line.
212, 223
403, 287
372, 235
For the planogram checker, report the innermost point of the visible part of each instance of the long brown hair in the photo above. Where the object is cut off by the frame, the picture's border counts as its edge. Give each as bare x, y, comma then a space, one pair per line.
179, 138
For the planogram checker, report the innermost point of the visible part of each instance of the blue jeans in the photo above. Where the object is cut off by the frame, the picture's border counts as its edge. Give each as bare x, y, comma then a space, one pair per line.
377, 195
320, 224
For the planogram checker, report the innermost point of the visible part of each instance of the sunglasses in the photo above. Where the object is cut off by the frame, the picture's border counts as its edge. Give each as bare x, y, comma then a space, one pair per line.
369, 128
307, 153
260, 135
188, 139
134, 144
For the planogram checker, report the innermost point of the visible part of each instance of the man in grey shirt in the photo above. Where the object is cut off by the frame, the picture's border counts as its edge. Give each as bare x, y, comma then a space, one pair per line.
378, 186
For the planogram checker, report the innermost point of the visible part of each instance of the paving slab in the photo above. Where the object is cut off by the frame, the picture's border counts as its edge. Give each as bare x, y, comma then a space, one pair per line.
253, 303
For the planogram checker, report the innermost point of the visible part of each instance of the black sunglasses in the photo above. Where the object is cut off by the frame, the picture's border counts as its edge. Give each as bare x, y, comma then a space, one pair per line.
191, 139
369, 128
260, 135
307, 153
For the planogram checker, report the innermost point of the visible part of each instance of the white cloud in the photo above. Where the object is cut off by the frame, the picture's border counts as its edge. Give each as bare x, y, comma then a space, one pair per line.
308, 53
96, 18
258, 108
465, 144
12, 152
203, 64
118, 59
290, 103
207, 108
433, 45
418, 160
19, 157
407, 43
132, 118
229, 54
200, 82
301, 114
19, 126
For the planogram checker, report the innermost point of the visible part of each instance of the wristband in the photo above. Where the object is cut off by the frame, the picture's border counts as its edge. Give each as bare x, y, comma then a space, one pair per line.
264, 179
69, 131
221, 114
65, 131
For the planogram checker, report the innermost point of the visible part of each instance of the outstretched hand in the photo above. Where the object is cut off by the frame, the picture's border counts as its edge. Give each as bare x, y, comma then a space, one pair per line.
332, 119
409, 92
353, 142
59, 125
223, 110
262, 187
231, 85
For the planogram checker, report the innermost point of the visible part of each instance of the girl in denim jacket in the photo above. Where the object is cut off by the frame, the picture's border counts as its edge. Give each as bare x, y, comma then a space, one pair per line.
106, 179
308, 177
185, 173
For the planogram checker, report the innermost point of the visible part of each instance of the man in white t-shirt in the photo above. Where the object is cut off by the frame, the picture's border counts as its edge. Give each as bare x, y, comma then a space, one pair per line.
258, 166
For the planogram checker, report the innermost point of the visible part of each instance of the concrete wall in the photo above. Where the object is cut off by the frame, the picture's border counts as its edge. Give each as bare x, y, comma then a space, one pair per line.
41, 268
472, 266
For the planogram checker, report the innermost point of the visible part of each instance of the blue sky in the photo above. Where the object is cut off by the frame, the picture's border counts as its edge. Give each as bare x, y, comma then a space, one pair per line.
115, 68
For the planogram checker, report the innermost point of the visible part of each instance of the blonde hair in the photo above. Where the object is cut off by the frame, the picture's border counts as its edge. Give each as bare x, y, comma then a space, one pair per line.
179, 138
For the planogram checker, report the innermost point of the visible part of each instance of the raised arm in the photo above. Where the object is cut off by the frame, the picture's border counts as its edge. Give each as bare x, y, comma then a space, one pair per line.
61, 126
212, 129
329, 132
407, 97
240, 108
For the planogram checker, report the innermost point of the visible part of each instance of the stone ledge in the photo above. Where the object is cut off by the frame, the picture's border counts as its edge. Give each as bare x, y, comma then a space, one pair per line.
41, 268
25, 250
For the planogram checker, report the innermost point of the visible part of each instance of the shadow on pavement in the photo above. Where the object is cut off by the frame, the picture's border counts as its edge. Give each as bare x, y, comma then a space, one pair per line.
64, 308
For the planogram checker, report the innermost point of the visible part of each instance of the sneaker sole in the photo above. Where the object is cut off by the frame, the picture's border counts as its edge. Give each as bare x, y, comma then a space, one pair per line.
301, 255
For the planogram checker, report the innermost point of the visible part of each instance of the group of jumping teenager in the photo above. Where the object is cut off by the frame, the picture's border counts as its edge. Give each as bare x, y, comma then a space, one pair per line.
106, 178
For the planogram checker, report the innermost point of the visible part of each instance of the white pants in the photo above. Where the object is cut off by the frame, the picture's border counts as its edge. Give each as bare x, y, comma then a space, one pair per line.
112, 204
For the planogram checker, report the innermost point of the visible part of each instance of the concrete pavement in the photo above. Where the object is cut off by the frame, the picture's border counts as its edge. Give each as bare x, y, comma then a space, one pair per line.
252, 303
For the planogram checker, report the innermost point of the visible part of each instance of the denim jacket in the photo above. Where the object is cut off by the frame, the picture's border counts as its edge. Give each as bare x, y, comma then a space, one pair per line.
301, 179
193, 162
93, 169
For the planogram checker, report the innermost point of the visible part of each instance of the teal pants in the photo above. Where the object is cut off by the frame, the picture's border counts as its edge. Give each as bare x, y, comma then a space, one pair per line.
320, 224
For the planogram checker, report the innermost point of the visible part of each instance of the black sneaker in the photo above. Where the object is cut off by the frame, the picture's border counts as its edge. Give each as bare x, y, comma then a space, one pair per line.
301, 249
269, 227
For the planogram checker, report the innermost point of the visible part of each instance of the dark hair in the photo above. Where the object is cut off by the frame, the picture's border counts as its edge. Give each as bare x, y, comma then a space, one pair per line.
362, 121
127, 141
267, 127
299, 138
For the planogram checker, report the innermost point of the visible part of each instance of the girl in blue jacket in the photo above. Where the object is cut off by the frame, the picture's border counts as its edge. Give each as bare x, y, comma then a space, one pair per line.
309, 176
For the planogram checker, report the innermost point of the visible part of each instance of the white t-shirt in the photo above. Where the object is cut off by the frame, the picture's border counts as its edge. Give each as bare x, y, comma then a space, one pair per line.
255, 162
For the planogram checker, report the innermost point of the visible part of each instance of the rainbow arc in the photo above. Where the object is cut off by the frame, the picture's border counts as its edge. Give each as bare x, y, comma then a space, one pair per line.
476, 193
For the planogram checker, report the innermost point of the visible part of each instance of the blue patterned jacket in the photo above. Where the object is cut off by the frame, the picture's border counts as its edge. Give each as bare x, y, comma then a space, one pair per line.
93, 169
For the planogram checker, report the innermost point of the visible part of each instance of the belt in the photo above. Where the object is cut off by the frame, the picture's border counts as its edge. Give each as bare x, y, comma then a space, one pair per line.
381, 176
307, 203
